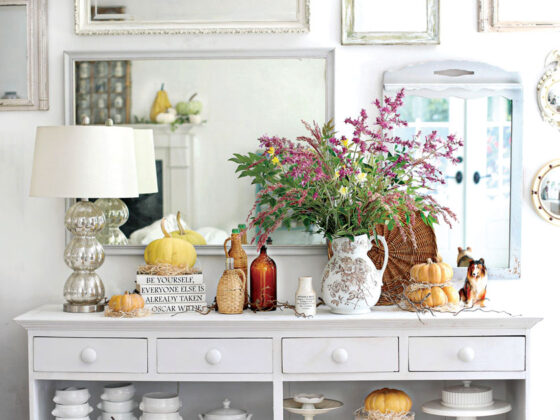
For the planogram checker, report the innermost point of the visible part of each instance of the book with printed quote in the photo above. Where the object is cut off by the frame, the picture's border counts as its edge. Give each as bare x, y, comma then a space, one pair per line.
173, 298
164, 308
164, 289
146, 279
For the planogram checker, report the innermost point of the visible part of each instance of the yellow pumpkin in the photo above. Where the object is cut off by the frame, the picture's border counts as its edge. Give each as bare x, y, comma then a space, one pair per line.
437, 297
168, 250
432, 272
191, 236
452, 294
388, 400
126, 303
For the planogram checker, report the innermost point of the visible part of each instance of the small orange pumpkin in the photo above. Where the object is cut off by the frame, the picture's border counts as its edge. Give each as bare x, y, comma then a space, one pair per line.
431, 272
388, 400
126, 303
437, 297
452, 294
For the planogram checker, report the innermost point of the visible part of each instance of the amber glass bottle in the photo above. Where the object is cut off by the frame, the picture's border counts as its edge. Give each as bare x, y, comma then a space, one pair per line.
263, 282
239, 256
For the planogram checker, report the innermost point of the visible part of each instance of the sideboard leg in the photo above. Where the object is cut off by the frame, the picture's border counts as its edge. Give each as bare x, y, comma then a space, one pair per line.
278, 398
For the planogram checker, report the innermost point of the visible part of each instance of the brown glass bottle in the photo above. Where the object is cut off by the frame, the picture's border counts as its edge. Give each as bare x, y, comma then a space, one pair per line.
239, 256
263, 282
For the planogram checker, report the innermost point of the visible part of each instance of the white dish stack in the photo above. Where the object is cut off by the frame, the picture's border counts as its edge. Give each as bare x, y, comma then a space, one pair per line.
160, 406
72, 403
117, 402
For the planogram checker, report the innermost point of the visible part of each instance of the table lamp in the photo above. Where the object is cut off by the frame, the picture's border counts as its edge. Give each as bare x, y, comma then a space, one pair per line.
84, 161
114, 209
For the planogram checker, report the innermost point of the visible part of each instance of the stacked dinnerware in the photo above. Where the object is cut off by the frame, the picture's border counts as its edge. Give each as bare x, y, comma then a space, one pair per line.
117, 402
160, 406
72, 403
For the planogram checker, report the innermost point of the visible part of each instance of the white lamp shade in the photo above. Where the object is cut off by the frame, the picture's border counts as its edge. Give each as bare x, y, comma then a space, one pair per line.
145, 161
84, 162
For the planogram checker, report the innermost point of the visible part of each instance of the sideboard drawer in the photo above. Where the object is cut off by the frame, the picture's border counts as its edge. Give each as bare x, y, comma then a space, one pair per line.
106, 355
206, 355
340, 355
466, 354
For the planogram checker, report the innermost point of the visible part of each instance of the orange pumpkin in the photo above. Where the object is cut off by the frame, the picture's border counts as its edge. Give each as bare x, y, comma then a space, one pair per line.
437, 297
388, 400
431, 272
452, 294
126, 303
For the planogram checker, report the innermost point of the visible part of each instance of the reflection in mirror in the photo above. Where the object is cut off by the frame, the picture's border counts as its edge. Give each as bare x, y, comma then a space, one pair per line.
483, 105
239, 99
546, 192
478, 188
13, 52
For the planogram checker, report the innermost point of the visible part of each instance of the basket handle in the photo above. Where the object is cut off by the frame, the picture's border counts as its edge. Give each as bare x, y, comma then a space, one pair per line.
225, 247
243, 278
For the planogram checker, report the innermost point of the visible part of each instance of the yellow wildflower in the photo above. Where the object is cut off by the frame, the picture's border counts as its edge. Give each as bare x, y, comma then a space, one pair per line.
361, 177
343, 191
337, 174
276, 161
271, 150
344, 142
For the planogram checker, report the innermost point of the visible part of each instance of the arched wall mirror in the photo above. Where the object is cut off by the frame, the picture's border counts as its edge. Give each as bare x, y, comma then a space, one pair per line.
483, 105
244, 95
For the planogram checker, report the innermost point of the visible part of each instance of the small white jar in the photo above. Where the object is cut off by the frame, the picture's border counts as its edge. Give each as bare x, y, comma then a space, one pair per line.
306, 298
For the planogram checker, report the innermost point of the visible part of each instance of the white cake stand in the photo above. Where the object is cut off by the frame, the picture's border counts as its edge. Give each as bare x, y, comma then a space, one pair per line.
310, 405
438, 409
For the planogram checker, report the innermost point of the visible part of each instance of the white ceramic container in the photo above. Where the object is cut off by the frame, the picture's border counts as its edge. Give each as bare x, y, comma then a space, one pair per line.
161, 416
118, 392
160, 402
351, 283
71, 396
117, 406
116, 416
72, 411
306, 298
226, 413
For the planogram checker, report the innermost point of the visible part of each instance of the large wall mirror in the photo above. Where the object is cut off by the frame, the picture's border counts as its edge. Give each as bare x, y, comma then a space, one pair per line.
483, 105
243, 96
190, 16
23, 52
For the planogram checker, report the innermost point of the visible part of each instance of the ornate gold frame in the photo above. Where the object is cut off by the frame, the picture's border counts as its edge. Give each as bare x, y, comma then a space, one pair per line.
536, 197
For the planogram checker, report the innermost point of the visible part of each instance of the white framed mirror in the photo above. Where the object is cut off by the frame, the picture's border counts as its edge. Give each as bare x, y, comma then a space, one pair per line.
244, 95
518, 15
483, 105
23, 48
383, 22
94, 17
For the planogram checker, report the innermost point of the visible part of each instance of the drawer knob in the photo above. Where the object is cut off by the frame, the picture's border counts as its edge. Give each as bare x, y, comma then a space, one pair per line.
340, 356
466, 354
214, 356
88, 355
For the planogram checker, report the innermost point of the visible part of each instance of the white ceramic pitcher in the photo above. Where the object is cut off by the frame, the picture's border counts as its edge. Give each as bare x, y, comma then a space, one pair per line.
351, 282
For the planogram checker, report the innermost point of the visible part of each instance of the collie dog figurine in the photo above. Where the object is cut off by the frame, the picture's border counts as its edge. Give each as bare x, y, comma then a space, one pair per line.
474, 290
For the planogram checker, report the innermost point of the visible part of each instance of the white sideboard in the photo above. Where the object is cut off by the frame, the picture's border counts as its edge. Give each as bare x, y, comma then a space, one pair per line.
256, 360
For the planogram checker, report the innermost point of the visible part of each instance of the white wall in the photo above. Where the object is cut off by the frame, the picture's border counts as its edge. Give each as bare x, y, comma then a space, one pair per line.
32, 238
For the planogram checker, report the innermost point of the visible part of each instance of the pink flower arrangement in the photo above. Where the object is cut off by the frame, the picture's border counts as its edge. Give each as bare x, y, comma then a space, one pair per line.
345, 187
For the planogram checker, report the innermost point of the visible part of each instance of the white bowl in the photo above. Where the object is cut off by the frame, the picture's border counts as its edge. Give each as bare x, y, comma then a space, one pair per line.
160, 402
118, 392
161, 416
117, 406
116, 416
72, 411
71, 396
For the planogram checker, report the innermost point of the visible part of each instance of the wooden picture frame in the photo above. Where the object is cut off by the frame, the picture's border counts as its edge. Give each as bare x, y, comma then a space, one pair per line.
489, 20
353, 35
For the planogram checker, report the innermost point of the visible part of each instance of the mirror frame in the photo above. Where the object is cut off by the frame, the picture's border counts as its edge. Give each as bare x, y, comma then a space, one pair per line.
71, 57
535, 193
469, 79
488, 20
37, 58
550, 77
351, 37
83, 26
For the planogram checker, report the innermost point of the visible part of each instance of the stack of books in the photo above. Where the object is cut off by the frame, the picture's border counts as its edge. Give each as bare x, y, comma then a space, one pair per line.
172, 294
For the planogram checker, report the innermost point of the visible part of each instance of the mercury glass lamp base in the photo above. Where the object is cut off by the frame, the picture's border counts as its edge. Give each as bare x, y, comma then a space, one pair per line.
75, 308
116, 214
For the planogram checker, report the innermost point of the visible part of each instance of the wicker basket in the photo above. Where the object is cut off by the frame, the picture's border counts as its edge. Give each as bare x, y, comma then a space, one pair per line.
402, 256
230, 296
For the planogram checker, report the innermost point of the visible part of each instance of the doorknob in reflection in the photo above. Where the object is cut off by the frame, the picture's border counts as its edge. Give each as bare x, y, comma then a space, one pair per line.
477, 177
458, 177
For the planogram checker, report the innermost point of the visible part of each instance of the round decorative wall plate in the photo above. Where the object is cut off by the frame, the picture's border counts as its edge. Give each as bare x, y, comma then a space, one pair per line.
546, 192
548, 90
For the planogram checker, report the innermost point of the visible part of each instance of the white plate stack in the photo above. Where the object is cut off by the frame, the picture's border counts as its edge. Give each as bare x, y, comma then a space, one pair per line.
117, 402
72, 403
160, 406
